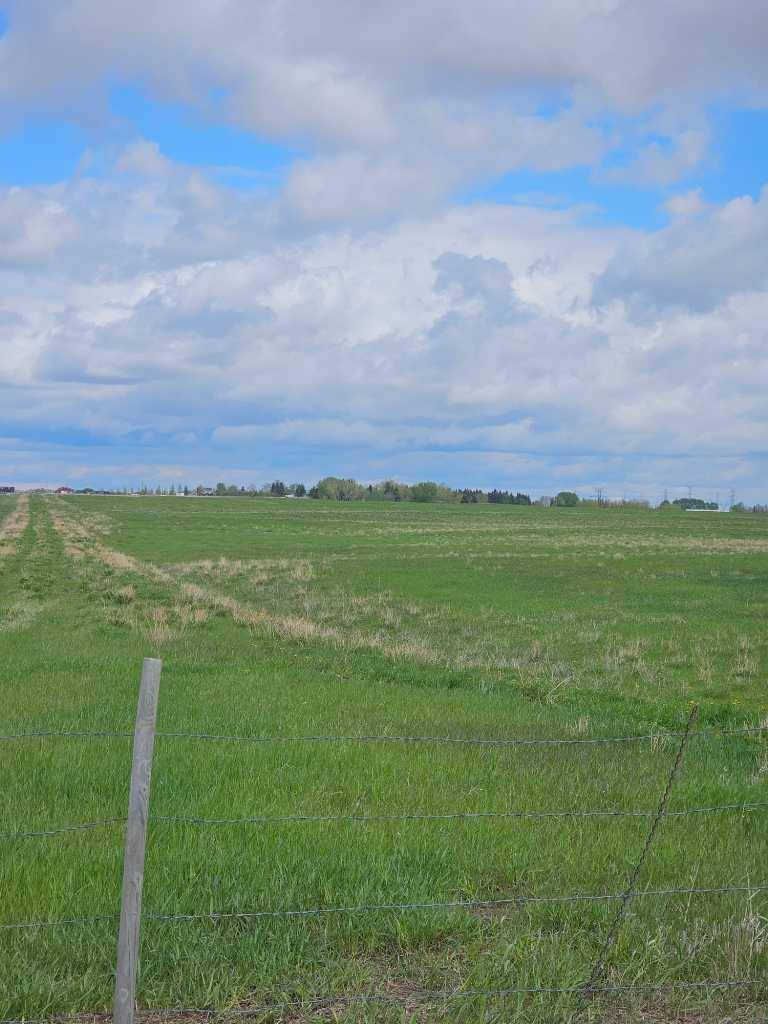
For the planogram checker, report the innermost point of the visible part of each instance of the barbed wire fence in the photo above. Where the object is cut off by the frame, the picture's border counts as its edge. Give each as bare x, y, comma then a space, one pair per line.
138, 818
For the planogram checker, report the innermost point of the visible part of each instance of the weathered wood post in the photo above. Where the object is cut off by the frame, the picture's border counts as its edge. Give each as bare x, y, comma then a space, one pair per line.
135, 843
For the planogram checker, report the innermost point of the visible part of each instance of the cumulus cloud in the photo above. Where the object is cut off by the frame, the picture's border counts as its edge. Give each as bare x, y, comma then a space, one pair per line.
33, 227
362, 312
402, 102
169, 328
662, 163
341, 68
685, 204
696, 263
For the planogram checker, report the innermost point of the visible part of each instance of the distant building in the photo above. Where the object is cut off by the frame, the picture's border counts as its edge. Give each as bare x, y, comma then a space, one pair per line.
7, 490
545, 501
65, 490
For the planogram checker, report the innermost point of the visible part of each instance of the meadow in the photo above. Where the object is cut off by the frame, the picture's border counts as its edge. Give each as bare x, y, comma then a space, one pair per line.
285, 618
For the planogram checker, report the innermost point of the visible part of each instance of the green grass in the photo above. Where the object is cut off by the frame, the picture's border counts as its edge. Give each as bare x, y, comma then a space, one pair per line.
385, 619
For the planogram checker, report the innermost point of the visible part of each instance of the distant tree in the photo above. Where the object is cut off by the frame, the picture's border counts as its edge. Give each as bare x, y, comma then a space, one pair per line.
566, 499
696, 503
277, 489
340, 489
391, 489
424, 491
300, 490
470, 497
221, 488
497, 497
739, 507
314, 492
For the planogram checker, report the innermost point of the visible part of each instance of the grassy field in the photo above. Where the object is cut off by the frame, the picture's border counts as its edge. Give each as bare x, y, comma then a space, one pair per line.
296, 618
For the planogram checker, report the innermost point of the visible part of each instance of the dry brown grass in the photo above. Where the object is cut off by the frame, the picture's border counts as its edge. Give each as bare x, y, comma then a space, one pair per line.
255, 570
19, 615
81, 539
404, 630
331, 620
157, 628
13, 526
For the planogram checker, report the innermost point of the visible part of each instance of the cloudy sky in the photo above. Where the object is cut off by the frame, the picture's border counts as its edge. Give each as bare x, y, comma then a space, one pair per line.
522, 245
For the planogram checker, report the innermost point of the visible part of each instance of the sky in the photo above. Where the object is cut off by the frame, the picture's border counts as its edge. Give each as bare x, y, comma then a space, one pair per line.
490, 244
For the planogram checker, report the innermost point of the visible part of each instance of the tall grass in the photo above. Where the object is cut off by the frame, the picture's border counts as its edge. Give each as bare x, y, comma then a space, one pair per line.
75, 665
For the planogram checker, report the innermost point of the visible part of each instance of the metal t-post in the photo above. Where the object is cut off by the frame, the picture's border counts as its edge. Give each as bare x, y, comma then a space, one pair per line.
135, 843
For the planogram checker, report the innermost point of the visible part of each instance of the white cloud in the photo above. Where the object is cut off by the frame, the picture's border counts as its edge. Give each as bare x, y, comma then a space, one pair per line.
342, 69
685, 205
694, 264
402, 102
206, 332
33, 227
662, 164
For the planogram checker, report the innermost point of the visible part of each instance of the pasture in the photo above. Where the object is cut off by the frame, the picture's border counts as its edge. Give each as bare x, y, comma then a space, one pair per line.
279, 619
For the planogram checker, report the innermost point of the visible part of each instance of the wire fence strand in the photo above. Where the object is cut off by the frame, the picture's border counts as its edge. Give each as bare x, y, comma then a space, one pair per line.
456, 815
173, 819
394, 738
594, 986
315, 1003
58, 830
50, 734
601, 961
366, 908
513, 741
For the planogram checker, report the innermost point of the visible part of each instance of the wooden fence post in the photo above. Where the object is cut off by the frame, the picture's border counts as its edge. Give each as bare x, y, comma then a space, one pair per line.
135, 843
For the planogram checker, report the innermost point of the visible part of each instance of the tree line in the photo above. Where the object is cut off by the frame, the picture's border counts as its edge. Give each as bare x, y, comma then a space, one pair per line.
334, 488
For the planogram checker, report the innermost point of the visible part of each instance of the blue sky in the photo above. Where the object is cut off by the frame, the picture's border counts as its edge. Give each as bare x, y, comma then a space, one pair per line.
46, 150
284, 241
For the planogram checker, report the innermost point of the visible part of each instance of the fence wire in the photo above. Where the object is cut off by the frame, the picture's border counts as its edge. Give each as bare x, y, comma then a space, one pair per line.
384, 738
317, 1003
456, 815
59, 830
601, 962
367, 908
594, 986
67, 734
170, 819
